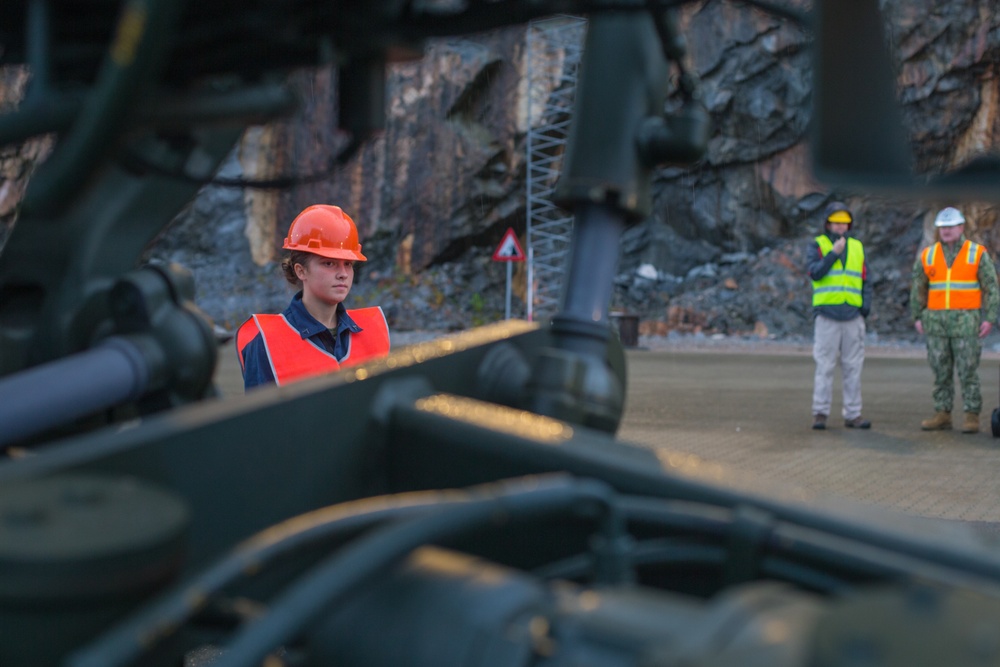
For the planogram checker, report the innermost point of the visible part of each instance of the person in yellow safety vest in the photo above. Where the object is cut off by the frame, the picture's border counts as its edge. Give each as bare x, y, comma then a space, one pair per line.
316, 334
841, 302
954, 299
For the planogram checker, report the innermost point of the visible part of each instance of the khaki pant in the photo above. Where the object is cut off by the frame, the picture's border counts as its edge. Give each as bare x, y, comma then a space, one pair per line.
835, 341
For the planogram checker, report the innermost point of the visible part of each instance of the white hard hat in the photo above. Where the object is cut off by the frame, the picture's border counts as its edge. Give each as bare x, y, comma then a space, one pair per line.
949, 217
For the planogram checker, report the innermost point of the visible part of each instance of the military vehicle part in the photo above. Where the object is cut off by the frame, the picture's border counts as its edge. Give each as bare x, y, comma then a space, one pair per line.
490, 604
605, 181
418, 428
78, 552
161, 354
60, 392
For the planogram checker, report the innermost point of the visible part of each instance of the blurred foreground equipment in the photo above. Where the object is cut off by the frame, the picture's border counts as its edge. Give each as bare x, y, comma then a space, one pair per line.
472, 506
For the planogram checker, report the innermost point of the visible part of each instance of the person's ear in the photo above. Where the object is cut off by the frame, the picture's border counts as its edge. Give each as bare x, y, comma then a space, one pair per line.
300, 271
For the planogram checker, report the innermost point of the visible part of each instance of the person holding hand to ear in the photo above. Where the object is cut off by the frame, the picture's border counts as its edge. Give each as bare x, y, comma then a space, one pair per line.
841, 302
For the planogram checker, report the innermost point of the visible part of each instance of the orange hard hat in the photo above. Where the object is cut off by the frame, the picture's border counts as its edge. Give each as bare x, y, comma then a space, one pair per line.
326, 231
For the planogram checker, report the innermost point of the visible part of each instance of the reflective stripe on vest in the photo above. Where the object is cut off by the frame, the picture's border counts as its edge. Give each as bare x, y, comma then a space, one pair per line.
841, 284
955, 287
293, 357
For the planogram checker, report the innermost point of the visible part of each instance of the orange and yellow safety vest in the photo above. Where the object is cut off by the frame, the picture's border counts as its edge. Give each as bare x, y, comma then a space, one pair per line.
955, 287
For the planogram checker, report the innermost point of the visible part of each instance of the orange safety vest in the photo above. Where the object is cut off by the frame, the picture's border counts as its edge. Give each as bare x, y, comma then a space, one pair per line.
957, 287
293, 357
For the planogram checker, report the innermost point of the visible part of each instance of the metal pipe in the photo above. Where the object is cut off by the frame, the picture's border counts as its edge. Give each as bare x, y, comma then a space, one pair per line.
39, 47
142, 38
59, 392
593, 263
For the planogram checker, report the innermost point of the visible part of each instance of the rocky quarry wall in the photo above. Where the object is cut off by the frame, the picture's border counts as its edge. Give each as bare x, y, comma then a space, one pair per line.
723, 251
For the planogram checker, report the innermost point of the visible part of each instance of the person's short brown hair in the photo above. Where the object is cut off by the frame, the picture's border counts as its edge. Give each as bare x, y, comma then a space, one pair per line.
289, 262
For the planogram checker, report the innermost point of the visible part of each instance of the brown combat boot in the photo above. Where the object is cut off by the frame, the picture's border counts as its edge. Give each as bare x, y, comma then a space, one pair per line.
941, 421
971, 423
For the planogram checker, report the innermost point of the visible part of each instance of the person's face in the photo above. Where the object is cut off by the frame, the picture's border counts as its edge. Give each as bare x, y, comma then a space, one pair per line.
328, 280
838, 228
950, 234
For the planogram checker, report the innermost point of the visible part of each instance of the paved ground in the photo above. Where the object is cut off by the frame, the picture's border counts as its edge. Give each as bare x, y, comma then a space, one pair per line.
751, 412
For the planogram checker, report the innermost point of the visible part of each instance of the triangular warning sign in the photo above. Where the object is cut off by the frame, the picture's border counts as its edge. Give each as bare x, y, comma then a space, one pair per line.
509, 249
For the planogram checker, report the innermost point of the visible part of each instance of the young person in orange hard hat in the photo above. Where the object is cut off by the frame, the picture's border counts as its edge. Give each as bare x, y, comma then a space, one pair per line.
316, 334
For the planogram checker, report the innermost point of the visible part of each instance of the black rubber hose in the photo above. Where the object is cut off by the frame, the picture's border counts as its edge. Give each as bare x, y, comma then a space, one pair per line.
128, 641
358, 565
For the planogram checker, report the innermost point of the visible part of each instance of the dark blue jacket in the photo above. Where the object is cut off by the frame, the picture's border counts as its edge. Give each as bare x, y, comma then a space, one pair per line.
257, 368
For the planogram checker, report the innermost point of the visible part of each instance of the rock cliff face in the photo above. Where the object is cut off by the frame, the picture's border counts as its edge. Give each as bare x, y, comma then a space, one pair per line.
16, 162
724, 248
446, 173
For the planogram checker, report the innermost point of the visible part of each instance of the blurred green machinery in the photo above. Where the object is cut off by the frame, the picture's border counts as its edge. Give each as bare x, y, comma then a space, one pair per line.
471, 506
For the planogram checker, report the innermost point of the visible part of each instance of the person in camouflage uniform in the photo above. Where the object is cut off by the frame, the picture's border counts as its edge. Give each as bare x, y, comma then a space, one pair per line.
954, 299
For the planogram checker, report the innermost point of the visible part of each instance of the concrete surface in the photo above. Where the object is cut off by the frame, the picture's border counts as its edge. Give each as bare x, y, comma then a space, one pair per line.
752, 412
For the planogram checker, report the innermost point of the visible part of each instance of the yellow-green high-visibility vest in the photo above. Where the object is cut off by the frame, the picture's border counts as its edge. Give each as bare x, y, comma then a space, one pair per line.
841, 284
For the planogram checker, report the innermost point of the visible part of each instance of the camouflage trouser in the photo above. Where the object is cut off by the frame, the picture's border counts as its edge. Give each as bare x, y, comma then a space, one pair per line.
948, 356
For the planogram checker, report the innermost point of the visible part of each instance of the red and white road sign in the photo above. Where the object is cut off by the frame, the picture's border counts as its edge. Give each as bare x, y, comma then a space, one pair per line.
509, 249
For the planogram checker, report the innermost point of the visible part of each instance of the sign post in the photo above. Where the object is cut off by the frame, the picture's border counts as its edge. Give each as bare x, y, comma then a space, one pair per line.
509, 251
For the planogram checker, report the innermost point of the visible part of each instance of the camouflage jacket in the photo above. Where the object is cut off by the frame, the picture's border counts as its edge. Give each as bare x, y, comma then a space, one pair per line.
955, 322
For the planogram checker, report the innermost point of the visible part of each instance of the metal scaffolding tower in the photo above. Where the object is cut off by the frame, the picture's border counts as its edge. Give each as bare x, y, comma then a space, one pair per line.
554, 47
